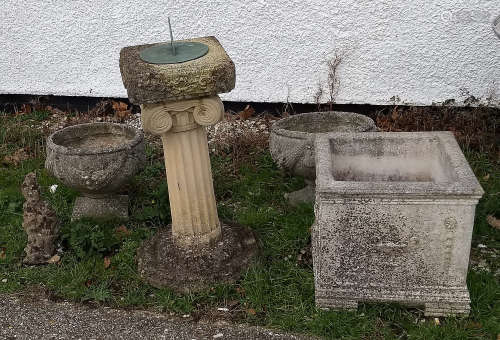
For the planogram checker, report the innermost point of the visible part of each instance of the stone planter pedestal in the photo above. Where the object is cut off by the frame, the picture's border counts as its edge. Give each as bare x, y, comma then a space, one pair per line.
394, 218
96, 159
291, 144
178, 101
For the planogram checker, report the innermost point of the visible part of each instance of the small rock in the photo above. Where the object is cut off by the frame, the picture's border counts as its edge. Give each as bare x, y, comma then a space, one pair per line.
217, 336
483, 265
186, 316
223, 309
481, 246
4, 280
40, 223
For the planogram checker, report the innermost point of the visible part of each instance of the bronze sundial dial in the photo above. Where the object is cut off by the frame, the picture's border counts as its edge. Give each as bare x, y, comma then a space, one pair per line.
174, 52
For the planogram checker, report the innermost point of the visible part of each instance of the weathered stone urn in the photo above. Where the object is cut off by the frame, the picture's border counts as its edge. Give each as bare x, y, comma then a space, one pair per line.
292, 143
178, 101
96, 159
394, 218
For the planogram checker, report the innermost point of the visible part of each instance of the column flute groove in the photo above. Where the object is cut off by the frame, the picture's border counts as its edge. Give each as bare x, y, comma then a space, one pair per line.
192, 198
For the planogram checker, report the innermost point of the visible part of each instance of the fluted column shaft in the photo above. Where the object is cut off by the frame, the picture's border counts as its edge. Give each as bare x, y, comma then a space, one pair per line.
189, 175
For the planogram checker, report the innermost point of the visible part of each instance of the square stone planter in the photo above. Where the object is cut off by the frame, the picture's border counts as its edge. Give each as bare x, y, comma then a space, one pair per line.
394, 218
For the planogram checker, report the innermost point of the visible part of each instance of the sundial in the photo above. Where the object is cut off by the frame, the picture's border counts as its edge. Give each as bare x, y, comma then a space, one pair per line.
174, 52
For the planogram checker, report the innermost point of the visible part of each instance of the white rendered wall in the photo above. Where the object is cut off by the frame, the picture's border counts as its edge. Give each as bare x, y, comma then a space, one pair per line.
419, 51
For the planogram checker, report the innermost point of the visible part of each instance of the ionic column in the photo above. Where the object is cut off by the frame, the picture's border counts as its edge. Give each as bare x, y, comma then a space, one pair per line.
181, 125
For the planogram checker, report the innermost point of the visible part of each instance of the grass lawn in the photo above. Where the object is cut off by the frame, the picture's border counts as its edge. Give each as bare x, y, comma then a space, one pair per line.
278, 291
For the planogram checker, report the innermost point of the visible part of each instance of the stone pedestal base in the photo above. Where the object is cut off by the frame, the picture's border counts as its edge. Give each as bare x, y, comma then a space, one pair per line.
437, 301
304, 195
114, 206
163, 264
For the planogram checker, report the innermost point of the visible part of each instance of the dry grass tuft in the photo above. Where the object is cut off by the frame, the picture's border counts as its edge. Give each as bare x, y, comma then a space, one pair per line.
475, 128
240, 139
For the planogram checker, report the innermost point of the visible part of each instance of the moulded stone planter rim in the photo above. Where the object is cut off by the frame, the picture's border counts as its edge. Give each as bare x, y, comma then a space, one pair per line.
465, 183
51, 144
496, 24
279, 129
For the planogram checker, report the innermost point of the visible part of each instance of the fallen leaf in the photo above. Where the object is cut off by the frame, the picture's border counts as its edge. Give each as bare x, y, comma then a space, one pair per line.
54, 259
122, 115
252, 311
3, 255
16, 158
247, 112
487, 177
26, 108
395, 114
233, 303
107, 262
494, 222
473, 324
88, 283
119, 106
121, 110
122, 230
55, 110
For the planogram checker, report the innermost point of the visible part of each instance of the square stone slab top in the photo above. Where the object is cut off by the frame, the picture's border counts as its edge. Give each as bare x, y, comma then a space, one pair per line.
396, 164
155, 83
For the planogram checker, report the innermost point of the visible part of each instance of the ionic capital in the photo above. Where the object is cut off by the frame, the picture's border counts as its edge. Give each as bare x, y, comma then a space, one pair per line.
181, 115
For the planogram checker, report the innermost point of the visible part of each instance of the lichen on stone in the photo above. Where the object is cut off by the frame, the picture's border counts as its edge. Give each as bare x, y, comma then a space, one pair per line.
40, 223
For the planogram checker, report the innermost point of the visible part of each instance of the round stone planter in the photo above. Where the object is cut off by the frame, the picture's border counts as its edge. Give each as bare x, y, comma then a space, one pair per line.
292, 143
96, 159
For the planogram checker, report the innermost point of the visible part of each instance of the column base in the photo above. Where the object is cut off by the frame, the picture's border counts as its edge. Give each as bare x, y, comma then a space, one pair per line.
163, 264
203, 240
338, 305
112, 206
447, 308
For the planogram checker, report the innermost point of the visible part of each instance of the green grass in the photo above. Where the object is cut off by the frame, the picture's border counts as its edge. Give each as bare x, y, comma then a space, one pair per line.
276, 292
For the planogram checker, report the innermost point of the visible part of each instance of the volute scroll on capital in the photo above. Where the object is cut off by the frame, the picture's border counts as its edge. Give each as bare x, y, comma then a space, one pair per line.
158, 118
209, 111
155, 118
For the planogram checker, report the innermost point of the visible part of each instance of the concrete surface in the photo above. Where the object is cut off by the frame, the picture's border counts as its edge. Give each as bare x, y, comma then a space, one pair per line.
22, 318
418, 51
